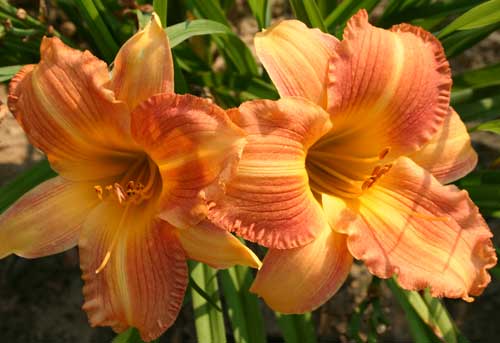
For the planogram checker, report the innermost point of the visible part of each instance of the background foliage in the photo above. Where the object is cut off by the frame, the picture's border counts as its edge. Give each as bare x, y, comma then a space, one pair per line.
212, 60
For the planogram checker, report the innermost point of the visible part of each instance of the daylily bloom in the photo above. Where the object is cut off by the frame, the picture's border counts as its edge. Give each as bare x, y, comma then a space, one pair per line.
351, 162
135, 163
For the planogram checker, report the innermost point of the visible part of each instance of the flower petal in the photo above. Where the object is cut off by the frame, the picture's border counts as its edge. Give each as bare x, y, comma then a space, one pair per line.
301, 279
296, 59
216, 247
134, 270
47, 219
449, 154
67, 111
143, 66
428, 234
269, 200
194, 144
388, 88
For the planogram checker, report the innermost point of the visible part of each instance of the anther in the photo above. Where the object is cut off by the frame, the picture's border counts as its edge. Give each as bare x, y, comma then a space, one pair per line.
99, 191
384, 153
368, 183
120, 193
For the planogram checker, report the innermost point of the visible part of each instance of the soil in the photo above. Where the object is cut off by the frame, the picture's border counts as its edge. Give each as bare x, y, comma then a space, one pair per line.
40, 300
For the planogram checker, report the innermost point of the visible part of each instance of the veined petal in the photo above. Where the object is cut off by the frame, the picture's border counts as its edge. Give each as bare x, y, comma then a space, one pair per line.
428, 234
47, 219
134, 270
449, 154
296, 59
216, 247
66, 110
194, 144
143, 66
301, 279
269, 200
389, 89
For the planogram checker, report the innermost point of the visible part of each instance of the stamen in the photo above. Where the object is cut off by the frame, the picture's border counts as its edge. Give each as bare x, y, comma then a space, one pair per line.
107, 257
103, 263
384, 153
99, 191
120, 193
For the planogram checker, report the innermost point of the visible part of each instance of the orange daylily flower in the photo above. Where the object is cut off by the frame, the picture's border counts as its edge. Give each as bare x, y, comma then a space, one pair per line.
351, 162
135, 163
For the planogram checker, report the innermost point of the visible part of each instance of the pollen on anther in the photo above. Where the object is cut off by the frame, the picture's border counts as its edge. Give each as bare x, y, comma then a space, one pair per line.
384, 153
99, 191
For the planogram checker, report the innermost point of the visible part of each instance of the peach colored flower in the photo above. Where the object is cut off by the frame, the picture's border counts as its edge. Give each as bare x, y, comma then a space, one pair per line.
135, 162
351, 162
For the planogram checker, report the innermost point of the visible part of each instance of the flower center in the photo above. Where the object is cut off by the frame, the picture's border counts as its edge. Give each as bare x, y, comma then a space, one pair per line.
141, 182
333, 171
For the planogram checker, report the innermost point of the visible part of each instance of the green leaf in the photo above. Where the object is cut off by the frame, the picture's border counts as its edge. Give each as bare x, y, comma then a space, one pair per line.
98, 29
308, 12
235, 51
261, 10
482, 15
483, 109
345, 10
478, 78
460, 41
130, 336
490, 126
23, 183
203, 294
160, 7
178, 33
7, 73
211, 9
297, 328
442, 318
424, 12
243, 307
420, 331
209, 321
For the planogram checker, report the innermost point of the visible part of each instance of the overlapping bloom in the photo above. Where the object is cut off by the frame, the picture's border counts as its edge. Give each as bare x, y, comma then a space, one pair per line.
135, 163
351, 162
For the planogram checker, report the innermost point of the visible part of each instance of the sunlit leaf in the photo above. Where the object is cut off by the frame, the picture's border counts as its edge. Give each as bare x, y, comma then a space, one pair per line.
7, 73
490, 126
178, 33
482, 15
208, 320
